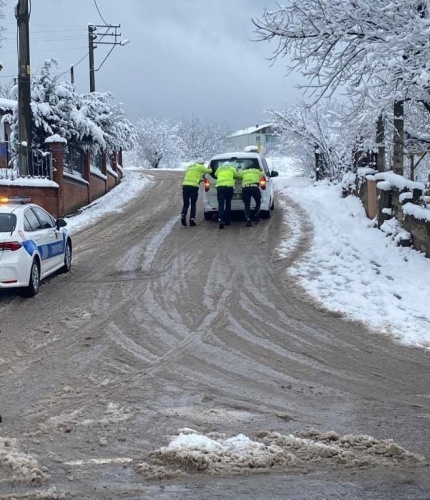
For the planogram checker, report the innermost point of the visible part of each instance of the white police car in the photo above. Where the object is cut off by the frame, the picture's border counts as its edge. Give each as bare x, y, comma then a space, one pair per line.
33, 245
240, 160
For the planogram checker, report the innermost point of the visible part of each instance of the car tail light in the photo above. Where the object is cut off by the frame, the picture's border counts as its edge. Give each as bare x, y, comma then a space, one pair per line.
206, 184
263, 182
10, 245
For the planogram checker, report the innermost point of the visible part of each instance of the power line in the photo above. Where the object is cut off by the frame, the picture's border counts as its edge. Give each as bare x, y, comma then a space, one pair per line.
73, 65
100, 14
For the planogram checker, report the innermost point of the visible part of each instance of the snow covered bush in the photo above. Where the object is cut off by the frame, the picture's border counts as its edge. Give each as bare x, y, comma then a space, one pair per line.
85, 121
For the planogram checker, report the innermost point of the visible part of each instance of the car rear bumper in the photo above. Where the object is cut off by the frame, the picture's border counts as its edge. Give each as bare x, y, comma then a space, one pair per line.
210, 203
14, 269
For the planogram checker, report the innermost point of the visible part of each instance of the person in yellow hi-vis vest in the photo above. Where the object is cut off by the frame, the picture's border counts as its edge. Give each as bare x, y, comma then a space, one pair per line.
225, 176
251, 189
190, 189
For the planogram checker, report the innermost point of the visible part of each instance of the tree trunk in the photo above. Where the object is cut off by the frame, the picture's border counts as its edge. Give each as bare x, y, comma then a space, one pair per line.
412, 167
380, 136
399, 127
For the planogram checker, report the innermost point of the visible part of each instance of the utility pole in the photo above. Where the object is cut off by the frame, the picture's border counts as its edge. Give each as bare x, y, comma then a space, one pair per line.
25, 156
399, 137
110, 31
91, 38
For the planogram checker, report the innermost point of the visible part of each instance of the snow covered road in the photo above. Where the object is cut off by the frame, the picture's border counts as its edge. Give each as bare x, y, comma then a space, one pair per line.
168, 350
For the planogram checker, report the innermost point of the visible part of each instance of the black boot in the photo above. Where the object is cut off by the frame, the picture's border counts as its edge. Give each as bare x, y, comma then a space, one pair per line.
193, 222
183, 220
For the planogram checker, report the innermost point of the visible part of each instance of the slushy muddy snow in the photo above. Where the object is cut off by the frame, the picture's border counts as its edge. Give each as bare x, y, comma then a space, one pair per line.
217, 454
190, 363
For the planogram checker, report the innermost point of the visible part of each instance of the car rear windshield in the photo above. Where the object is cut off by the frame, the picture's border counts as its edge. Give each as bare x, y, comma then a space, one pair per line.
239, 163
7, 223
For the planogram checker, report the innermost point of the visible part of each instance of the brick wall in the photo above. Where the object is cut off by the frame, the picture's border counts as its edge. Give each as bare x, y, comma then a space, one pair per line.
97, 186
46, 197
72, 192
112, 181
74, 195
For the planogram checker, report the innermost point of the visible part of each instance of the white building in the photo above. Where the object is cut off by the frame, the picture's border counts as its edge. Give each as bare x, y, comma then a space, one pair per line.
262, 136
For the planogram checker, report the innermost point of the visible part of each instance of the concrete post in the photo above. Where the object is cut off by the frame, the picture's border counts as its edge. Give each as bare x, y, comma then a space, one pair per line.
57, 153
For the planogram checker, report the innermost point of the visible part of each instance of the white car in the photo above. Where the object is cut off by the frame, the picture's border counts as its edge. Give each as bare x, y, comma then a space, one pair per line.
33, 245
240, 160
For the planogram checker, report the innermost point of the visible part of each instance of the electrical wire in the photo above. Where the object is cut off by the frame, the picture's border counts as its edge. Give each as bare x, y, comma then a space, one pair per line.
100, 14
47, 31
73, 65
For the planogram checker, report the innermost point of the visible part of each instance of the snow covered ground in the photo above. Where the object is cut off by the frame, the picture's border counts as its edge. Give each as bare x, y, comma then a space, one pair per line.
350, 267
353, 267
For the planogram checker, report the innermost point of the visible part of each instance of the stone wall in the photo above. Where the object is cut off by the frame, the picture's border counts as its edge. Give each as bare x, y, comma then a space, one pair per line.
395, 195
420, 230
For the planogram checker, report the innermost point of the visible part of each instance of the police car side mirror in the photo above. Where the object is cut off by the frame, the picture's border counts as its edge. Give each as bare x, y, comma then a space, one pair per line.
274, 173
61, 223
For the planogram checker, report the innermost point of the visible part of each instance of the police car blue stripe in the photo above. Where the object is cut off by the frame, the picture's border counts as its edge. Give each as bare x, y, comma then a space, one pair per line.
30, 246
45, 251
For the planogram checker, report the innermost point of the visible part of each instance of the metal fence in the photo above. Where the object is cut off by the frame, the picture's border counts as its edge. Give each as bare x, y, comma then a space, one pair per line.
74, 161
42, 164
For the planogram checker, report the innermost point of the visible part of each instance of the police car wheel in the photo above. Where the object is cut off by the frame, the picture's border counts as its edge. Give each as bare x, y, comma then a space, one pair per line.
209, 215
34, 282
67, 258
265, 214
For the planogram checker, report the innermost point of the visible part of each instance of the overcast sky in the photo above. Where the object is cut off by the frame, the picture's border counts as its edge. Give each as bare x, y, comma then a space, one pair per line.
186, 57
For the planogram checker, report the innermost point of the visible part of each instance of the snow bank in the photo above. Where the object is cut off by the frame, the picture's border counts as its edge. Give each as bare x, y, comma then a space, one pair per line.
216, 454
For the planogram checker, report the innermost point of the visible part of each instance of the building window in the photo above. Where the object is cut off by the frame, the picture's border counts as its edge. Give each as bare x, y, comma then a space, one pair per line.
257, 138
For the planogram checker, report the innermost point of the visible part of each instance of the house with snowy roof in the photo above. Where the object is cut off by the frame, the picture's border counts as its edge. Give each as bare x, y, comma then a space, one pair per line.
262, 136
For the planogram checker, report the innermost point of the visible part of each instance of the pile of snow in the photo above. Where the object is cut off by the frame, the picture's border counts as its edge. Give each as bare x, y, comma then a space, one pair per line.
217, 454
19, 467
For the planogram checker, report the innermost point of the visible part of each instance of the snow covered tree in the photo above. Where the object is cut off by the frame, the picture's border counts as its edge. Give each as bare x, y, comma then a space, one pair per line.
88, 121
315, 137
202, 138
104, 124
375, 51
158, 142
362, 45
52, 105
9, 90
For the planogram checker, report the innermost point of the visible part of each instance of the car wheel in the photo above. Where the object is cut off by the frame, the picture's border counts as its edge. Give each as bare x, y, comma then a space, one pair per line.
272, 206
67, 258
33, 282
265, 214
208, 215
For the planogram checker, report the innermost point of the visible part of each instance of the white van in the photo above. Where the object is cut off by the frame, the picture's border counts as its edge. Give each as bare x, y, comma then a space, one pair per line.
240, 160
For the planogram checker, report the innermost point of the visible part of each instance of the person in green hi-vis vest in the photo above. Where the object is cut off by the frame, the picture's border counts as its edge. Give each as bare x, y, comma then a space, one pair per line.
190, 189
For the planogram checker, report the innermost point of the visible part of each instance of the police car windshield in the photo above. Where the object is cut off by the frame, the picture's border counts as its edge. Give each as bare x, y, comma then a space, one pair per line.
239, 163
7, 223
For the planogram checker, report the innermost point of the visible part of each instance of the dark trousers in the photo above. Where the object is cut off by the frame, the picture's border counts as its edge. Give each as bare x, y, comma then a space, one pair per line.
224, 196
249, 192
189, 196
